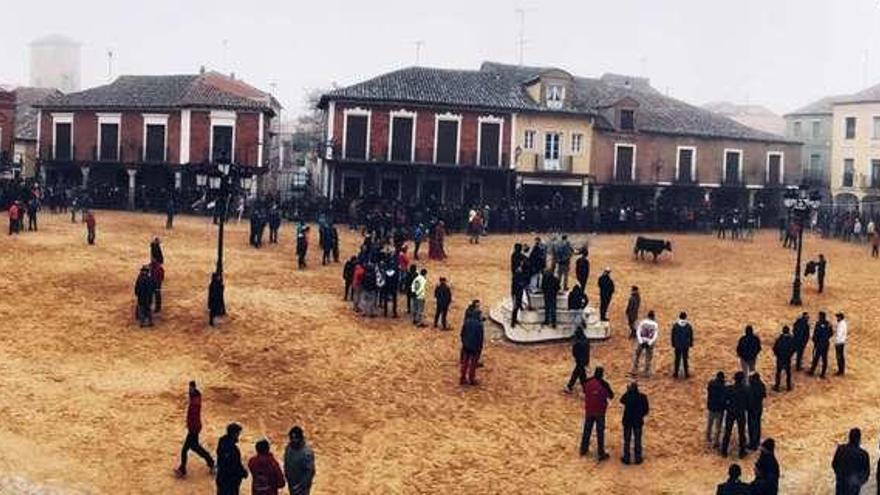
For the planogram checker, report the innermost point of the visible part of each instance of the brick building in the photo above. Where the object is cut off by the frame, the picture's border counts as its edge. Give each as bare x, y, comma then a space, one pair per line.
507, 131
7, 126
24, 154
138, 137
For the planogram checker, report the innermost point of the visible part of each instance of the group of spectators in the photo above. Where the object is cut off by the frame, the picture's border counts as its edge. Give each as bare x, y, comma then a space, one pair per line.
148, 285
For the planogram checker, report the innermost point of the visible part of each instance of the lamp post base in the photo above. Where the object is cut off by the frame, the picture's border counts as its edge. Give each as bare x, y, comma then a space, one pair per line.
795, 294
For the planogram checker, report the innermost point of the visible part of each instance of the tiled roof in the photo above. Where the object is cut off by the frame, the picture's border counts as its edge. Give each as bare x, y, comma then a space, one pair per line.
210, 90
818, 107
502, 86
26, 113
866, 95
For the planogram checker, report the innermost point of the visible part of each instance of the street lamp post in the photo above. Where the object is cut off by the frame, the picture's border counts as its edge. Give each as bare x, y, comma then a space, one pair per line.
800, 204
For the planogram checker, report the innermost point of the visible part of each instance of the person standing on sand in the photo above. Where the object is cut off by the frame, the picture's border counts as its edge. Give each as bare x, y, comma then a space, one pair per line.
582, 268
169, 212
230, 470
144, 289
193, 428
682, 335
851, 465
348, 276
606, 292
635, 408
747, 350
766, 470
840, 335
597, 393
550, 291
157, 274
156, 250
783, 349
757, 394
632, 310
443, 298
266, 475
821, 340
716, 396
580, 351
736, 402
90, 227
14, 218
299, 463
821, 267
216, 300
419, 290
646, 338
472, 336
801, 335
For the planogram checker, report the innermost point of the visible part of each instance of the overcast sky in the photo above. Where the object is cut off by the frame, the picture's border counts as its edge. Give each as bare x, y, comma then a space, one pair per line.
779, 53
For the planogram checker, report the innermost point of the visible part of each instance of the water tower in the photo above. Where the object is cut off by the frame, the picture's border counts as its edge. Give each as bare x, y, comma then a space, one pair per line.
55, 63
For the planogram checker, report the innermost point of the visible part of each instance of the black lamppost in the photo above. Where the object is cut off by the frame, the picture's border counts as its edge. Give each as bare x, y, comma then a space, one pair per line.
229, 181
800, 204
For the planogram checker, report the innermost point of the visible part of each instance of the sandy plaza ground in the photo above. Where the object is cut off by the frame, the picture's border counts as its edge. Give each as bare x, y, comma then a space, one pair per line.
91, 403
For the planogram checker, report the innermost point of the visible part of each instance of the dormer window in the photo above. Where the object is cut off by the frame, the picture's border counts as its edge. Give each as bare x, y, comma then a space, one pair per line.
627, 119
555, 96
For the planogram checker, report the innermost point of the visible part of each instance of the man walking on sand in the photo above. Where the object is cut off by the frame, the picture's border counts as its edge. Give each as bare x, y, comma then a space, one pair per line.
840, 335
597, 393
632, 310
419, 289
193, 428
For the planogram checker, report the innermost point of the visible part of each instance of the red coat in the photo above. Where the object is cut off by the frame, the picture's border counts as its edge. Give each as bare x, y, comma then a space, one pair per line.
597, 393
14, 212
358, 277
266, 475
157, 271
90, 220
194, 413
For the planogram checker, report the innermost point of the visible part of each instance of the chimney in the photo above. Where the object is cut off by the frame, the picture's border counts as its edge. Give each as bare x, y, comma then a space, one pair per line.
202, 69
232, 76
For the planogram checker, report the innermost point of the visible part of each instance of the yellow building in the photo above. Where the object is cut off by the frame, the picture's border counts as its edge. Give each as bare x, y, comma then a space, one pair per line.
552, 144
855, 151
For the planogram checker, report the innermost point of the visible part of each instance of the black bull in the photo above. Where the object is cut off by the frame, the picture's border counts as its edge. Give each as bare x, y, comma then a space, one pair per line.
653, 246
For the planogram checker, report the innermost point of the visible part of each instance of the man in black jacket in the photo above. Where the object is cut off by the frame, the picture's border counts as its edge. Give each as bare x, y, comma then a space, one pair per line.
230, 470
521, 284
736, 402
757, 393
783, 349
632, 310
606, 292
733, 486
391, 288
635, 408
576, 298
747, 349
550, 290
582, 268
766, 470
821, 266
801, 335
471, 344
348, 276
716, 396
821, 340
443, 297
144, 288
851, 465
682, 340
580, 351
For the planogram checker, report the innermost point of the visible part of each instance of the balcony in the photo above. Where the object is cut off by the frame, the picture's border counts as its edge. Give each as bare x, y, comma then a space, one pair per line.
561, 165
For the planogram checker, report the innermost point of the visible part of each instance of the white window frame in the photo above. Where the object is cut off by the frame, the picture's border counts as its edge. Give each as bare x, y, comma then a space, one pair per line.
402, 114
448, 117
577, 137
359, 112
558, 96
693, 150
156, 119
724, 164
490, 119
222, 118
111, 118
634, 162
781, 156
529, 139
62, 118
854, 173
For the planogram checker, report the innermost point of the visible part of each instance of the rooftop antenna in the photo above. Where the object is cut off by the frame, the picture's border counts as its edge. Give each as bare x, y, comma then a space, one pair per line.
225, 44
109, 64
419, 45
521, 41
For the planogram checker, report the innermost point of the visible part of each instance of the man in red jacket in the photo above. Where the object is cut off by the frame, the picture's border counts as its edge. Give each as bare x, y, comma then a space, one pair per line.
14, 217
597, 393
157, 272
193, 428
265, 472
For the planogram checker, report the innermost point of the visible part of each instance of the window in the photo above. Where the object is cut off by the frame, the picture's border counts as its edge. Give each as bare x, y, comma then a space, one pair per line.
529, 140
686, 162
850, 130
817, 129
352, 186
489, 142
62, 137
624, 162
473, 193
551, 150
154, 151
627, 119
432, 191
732, 166
109, 139
555, 95
815, 170
875, 173
577, 144
402, 137
876, 134
797, 128
849, 170
446, 139
774, 168
221, 142
356, 134
390, 188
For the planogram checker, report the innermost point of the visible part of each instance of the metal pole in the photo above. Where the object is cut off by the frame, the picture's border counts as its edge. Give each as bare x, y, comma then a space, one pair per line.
796, 286
224, 193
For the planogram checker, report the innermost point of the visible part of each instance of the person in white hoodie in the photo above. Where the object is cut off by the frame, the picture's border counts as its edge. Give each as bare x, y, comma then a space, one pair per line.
646, 336
840, 334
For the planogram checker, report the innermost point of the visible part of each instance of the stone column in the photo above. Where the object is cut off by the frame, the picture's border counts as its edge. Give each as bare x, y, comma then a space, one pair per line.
178, 180
658, 191
752, 193
585, 194
43, 175
85, 176
132, 186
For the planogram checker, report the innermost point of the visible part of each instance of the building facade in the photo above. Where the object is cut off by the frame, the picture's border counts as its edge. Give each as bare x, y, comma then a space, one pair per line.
137, 137
7, 127
812, 125
24, 153
855, 153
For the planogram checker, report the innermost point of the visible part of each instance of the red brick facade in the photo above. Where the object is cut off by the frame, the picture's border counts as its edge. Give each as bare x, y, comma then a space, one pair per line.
7, 123
425, 127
